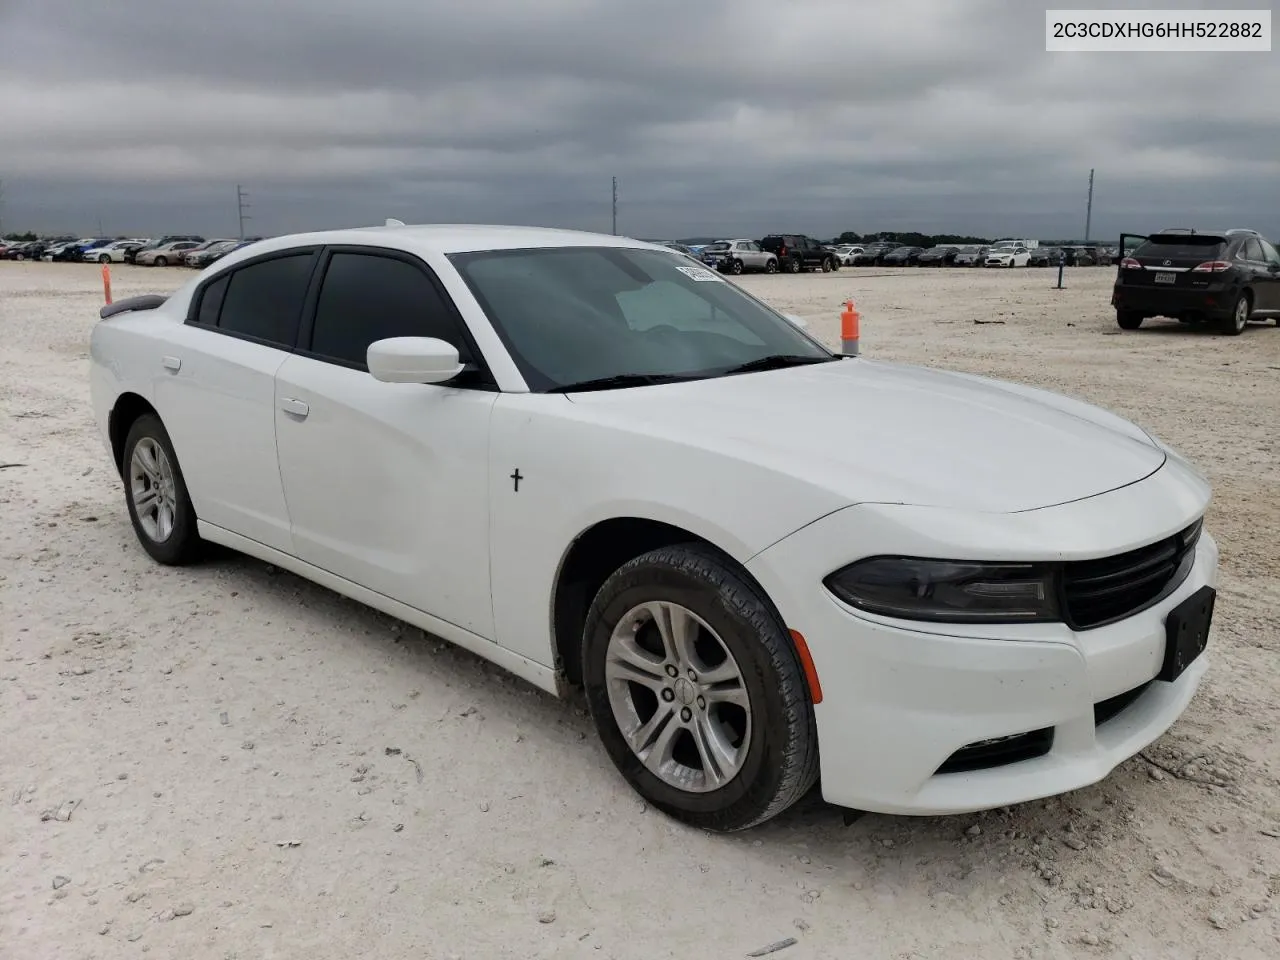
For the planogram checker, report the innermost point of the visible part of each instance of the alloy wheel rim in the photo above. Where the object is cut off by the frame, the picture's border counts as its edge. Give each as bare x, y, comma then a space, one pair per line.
678, 697
153, 490
1242, 313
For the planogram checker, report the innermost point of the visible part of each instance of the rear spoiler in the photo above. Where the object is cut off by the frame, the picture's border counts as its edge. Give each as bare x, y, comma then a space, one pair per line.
148, 301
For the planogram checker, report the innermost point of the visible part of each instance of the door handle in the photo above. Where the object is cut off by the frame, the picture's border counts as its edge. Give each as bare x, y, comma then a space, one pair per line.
298, 408
173, 364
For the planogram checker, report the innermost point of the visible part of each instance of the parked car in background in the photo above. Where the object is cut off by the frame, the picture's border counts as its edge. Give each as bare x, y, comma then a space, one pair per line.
970, 255
846, 252
941, 256
902, 257
168, 254
796, 252
871, 253
1007, 253
1220, 277
739, 256
112, 252
1045, 256
132, 256
215, 250
1085, 257
982, 595
203, 246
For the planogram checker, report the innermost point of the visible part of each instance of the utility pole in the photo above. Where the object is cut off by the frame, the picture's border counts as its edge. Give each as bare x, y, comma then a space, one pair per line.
1088, 211
241, 207
1, 208
615, 206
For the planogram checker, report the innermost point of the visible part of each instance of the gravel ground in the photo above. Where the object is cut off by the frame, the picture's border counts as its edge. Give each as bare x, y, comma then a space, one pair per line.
228, 762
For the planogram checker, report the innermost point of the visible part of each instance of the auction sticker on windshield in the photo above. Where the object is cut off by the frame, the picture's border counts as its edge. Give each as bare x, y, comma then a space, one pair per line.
701, 276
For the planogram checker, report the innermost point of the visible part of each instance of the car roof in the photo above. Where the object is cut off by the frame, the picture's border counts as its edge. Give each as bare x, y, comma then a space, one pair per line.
453, 238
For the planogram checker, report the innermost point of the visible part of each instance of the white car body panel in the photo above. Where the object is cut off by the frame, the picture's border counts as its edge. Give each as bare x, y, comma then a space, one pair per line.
402, 507
402, 497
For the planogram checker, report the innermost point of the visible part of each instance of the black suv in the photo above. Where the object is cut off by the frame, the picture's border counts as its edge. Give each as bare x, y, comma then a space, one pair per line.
1223, 277
796, 252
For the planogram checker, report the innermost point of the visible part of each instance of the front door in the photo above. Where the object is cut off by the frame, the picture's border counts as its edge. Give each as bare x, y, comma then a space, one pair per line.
387, 483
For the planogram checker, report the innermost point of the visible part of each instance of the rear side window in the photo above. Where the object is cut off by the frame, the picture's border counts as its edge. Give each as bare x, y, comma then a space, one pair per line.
264, 300
1182, 247
1252, 250
211, 302
368, 297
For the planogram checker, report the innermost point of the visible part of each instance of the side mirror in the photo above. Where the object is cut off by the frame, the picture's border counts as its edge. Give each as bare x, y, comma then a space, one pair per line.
413, 360
800, 322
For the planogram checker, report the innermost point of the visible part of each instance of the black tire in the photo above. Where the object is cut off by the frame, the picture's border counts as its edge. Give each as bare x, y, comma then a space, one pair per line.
1234, 324
781, 760
826, 265
771, 266
793, 265
1128, 319
183, 545
104, 259
735, 267
161, 261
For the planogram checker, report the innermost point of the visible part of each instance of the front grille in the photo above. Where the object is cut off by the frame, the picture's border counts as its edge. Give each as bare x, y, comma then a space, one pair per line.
999, 751
1098, 592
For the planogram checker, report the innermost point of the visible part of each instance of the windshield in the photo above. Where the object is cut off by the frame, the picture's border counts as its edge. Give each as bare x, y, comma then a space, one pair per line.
1183, 246
575, 314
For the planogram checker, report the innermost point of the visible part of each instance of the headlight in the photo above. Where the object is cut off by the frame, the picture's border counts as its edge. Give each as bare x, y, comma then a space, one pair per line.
948, 591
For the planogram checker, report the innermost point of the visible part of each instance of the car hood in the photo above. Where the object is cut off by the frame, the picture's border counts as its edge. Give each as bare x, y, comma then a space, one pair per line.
872, 431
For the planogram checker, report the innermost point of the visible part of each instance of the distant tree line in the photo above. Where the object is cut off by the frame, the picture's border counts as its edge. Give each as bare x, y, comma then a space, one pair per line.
27, 237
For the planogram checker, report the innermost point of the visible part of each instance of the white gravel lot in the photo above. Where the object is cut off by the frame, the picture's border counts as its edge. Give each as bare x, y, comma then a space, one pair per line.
228, 762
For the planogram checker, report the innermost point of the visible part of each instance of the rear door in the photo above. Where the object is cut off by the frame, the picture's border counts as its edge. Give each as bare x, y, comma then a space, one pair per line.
1270, 279
215, 390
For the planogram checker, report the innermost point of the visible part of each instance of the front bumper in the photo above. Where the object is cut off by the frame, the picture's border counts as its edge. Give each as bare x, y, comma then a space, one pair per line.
900, 699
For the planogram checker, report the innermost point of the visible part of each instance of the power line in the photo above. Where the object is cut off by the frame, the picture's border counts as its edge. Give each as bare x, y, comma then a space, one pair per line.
241, 207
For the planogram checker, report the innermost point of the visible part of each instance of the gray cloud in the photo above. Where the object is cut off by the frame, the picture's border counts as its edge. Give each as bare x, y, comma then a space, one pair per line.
735, 116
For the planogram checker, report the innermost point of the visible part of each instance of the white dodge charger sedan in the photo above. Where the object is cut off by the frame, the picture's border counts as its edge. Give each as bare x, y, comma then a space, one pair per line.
596, 463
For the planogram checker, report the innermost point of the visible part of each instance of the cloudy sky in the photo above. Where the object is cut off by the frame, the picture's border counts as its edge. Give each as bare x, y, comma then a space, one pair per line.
734, 117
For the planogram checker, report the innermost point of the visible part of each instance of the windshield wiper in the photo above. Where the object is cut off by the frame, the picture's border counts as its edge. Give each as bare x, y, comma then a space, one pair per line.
621, 380
776, 361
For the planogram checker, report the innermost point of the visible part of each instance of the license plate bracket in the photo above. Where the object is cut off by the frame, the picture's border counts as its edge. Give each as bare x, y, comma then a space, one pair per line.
1166, 278
1187, 632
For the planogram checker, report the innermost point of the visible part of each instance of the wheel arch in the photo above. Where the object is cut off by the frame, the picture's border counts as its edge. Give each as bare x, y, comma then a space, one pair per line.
129, 406
592, 556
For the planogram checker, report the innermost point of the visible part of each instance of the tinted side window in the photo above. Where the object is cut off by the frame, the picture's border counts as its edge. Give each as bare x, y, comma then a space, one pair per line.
367, 297
1269, 252
211, 302
1252, 251
264, 300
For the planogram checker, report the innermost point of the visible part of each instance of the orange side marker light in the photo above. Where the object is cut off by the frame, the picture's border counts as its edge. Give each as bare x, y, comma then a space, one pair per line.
806, 664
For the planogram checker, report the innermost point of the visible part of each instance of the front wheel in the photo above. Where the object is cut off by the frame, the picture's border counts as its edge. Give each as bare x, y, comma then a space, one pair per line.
697, 692
104, 259
826, 265
162, 261
156, 494
771, 266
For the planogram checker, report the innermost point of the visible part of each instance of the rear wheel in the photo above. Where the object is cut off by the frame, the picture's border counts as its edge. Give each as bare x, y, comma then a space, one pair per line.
696, 690
156, 493
1129, 319
104, 259
793, 265
1234, 325
735, 267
